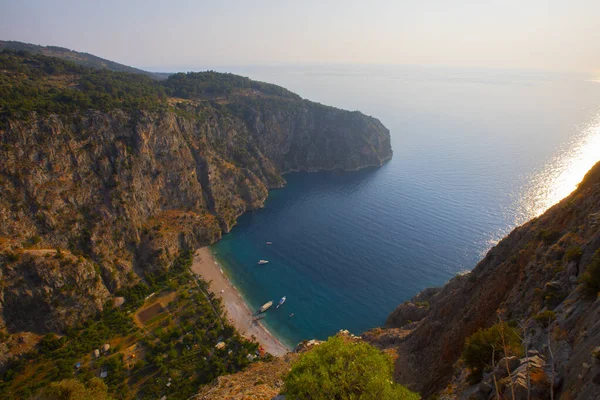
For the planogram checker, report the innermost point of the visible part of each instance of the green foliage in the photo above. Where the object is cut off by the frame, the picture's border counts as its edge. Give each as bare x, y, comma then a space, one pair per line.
545, 317
212, 84
573, 253
50, 85
590, 279
72, 389
548, 236
486, 345
343, 370
134, 295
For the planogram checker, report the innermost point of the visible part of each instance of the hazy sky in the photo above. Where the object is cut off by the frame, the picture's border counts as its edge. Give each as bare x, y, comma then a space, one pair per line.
553, 34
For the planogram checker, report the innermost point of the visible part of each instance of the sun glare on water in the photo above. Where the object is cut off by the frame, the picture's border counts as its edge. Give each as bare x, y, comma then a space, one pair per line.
560, 176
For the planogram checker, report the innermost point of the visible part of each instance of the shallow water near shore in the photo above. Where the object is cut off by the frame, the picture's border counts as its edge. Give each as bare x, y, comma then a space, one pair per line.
475, 154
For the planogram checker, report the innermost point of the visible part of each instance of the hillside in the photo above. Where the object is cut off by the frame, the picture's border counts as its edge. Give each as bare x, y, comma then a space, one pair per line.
84, 59
108, 177
543, 281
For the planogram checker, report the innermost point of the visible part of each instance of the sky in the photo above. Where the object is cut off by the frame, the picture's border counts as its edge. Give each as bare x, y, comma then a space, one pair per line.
180, 34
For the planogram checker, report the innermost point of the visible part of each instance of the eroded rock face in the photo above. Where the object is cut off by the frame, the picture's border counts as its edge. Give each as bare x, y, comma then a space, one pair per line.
532, 270
44, 291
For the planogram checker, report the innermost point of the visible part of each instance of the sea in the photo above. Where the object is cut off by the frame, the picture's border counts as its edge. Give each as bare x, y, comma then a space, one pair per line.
476, 153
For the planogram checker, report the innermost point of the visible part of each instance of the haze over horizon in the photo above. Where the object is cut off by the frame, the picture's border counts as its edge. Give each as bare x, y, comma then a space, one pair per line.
158, 35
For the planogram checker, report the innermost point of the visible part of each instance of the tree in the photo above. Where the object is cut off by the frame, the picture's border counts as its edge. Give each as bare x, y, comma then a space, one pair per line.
72, 389
343, 370
499, 340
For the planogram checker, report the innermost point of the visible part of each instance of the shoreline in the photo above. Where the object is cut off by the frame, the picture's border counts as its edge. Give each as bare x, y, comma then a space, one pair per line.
237, 311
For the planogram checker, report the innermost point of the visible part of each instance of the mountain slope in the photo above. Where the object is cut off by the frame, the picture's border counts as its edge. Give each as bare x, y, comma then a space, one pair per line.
85, 59
126, 172
545, 277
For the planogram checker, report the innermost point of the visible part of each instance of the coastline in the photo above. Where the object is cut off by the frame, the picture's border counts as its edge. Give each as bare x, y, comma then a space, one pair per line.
238, 312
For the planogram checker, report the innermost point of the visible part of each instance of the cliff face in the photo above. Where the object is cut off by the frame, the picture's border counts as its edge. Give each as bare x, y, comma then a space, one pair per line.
532, 277
127, 190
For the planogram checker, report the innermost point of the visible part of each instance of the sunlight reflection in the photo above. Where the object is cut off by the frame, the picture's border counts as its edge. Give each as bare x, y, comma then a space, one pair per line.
562, 174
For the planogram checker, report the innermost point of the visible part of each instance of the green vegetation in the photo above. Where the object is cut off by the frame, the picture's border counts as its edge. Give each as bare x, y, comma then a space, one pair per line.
548, 236
573, 253
340, 369
72, 389
212, 84
171, 353
48, 85
85, 59
590, 279
545, 317
488, 345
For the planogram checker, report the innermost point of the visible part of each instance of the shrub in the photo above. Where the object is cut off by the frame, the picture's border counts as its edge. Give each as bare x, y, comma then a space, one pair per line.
573, 253
485, 344
72, 389
548, 236
544, 318
591, 277
338, 369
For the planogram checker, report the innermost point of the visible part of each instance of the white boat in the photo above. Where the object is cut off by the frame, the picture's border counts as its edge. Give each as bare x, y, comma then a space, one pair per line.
265, 307
281, 301
262, 262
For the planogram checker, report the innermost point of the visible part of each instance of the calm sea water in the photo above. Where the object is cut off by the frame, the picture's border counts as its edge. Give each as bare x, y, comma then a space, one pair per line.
475, 154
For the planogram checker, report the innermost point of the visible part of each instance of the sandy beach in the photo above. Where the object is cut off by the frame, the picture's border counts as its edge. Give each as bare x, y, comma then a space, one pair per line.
238, 312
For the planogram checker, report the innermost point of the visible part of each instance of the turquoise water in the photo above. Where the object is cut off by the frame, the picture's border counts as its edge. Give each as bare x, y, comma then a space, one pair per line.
474, 155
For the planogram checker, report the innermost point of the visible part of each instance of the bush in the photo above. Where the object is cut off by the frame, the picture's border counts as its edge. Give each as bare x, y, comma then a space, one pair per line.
486, 344
573, 253
72, 389
544, 318
591, 277
338, 369
549, 236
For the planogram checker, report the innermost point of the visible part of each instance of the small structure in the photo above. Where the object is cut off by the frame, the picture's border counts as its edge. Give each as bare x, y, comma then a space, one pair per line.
220, 345
78, 365
103, 374
97, 353
168, 384
105, 347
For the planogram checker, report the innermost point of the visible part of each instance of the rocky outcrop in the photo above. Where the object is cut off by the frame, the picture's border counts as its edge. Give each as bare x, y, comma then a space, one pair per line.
43, 290
533, 277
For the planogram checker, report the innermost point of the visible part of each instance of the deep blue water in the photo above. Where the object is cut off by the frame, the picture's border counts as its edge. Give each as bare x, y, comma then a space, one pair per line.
349, 247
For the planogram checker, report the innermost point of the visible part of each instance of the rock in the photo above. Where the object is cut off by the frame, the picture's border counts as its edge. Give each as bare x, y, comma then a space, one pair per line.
485, 389
406, 313
572, 269
500, 369
118, 301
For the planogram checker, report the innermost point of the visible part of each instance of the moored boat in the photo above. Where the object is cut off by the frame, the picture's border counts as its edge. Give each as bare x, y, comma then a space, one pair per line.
265, 307
281, 301
269, 243
258, 317
262, 262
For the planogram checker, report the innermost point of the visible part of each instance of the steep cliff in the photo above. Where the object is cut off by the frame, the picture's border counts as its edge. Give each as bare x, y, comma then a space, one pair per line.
124, 171
545, 278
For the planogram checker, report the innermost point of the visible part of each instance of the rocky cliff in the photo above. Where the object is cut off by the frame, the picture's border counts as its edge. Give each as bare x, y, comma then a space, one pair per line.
544, 277
126, 181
